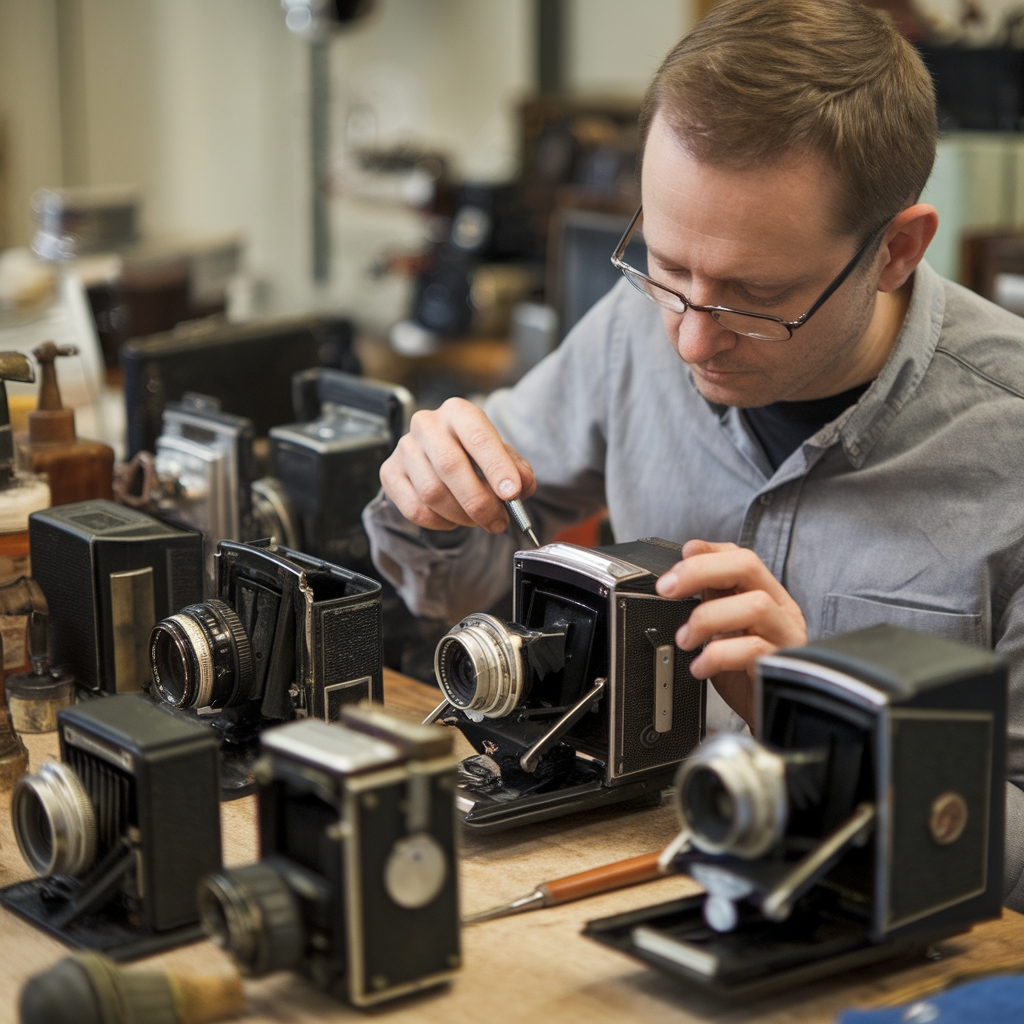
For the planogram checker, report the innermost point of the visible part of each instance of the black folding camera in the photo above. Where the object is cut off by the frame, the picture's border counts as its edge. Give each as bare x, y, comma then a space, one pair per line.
109, 574
358, 885
865, 821
288, 635
584, 698
328, 464
120, 831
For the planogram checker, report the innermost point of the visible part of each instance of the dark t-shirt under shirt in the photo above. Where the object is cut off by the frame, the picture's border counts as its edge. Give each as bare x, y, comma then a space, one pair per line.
783, 426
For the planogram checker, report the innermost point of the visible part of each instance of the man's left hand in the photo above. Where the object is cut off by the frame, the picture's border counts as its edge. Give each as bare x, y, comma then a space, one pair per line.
744, 613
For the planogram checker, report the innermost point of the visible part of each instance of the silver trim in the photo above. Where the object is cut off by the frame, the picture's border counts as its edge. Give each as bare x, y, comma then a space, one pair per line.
829, 680
68, 847
132, 618
106, 751
315, 742
204, 656
682, 953
664, 680
606, 569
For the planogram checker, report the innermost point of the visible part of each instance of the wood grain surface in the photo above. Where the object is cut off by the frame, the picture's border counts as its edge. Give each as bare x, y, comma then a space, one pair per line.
527, 969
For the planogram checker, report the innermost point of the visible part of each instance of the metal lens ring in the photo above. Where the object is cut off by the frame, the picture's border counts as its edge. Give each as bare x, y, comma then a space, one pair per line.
201, 657
479, 666
54, 821
252, 914
731, 796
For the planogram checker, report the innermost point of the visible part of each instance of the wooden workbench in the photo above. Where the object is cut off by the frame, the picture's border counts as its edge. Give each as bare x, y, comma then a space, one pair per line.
530, 968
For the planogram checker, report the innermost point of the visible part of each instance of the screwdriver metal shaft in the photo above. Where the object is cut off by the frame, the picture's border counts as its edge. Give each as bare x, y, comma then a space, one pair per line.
521, 518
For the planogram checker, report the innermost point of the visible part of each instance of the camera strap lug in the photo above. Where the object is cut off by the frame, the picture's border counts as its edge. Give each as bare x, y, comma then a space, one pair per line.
528, 762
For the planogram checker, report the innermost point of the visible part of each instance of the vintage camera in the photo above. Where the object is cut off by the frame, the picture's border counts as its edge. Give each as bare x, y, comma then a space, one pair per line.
583, 699
248, 367
120, 831
202, 478
358, 883
288, 635
866, 820
109, 574
328, 465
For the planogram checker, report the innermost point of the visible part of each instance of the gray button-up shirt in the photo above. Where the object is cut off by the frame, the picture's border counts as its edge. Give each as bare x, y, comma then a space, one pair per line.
907, 509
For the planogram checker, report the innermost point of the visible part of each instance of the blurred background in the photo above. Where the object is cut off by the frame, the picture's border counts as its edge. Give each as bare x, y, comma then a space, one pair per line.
211, 195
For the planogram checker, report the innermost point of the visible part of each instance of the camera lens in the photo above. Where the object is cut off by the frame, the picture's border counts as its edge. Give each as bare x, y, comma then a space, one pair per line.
731, 795
54, 821
201, 657
479, 666
253, 915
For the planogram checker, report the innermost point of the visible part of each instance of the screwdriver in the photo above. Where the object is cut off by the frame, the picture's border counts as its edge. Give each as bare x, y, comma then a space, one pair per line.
605, 878
519, 515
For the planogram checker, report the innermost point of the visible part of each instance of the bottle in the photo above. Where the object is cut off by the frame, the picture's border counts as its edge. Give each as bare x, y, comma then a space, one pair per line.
77, 469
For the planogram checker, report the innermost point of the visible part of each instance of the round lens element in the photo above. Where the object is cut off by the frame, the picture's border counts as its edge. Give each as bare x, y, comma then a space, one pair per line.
54, 821
201, 657
253, 915
479, 666
731, 796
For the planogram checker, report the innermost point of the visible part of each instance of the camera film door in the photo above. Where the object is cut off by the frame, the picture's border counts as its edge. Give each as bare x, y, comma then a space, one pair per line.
348, 638
939, 795
657, 707
401, 880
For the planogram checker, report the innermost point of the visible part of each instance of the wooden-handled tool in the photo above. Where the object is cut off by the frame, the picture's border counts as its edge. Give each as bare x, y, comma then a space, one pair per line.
617, 875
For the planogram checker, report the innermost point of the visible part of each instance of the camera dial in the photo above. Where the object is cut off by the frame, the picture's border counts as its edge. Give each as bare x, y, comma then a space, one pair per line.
54, 821
731, 796
479, 666
201, 657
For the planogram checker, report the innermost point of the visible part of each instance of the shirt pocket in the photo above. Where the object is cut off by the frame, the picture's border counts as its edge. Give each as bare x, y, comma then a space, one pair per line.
844, 612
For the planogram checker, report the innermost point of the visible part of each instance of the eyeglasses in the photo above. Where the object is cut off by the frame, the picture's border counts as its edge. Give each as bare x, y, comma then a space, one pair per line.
752, 325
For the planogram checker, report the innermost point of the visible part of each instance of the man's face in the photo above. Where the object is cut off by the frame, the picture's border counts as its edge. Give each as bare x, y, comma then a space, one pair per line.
762, 241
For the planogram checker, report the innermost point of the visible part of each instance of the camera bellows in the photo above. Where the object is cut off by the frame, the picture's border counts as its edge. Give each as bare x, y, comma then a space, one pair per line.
252, 913
54, 821
89, 988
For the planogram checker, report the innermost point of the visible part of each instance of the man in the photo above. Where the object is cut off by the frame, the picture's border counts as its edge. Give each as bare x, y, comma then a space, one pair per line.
832, 431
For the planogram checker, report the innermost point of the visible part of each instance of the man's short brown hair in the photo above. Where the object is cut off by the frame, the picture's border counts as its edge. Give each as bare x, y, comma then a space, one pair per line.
759, 79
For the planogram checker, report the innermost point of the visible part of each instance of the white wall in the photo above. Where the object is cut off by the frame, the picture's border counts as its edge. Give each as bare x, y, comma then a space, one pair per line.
615, 47
203, 103
29, 106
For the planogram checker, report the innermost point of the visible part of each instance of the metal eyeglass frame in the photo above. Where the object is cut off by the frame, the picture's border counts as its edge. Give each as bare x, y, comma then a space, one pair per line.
790, 325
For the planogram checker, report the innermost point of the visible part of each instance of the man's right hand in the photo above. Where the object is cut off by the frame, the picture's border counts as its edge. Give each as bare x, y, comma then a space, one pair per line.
432, 475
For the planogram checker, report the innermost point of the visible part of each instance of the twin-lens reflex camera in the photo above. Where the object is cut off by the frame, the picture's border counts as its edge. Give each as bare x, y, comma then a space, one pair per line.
357, 885
583, 699
120, 831
864, 821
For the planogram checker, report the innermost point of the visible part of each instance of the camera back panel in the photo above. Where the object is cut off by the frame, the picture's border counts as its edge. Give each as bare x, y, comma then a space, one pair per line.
931, 716
109, 574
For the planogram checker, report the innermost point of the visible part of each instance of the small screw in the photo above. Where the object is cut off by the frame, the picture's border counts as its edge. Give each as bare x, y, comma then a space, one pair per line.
370, 800
378, 981
454, 960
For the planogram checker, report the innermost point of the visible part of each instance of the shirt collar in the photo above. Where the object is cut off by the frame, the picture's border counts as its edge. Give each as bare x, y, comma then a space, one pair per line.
868, 420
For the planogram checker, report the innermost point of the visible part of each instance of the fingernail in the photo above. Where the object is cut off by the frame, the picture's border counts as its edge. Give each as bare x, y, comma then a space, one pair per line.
682, 635
507, 489
695, 670
667, 582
